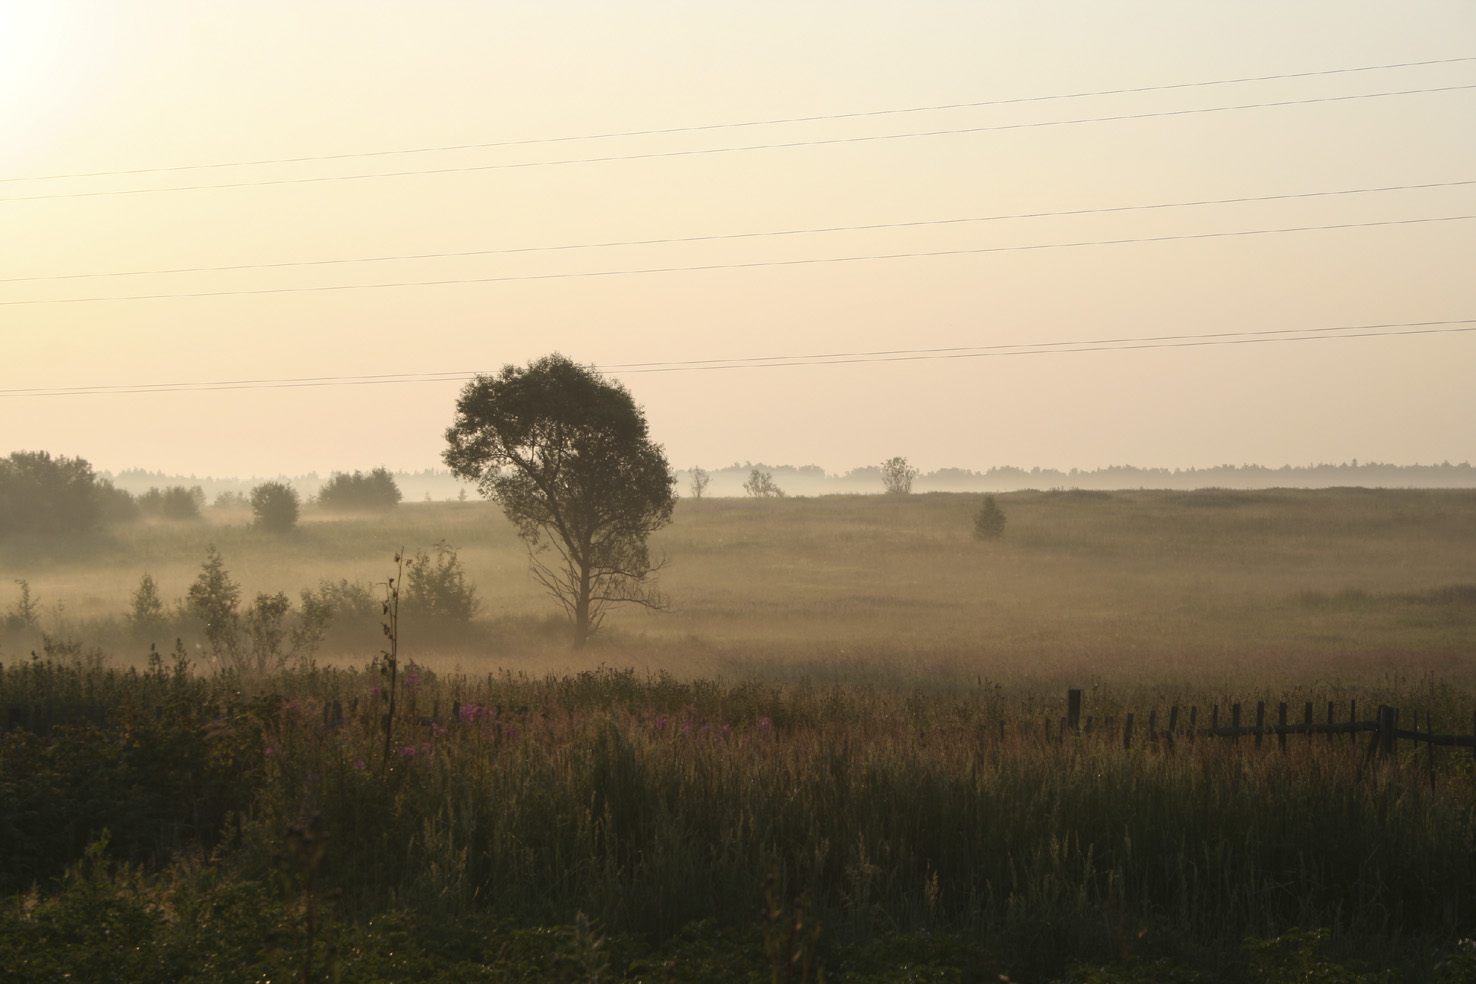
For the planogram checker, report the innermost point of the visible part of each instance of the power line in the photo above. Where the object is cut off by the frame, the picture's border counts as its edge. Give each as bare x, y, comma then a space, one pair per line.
748, 123
640, 271
872, 227
784, 145
817, 359
970, 351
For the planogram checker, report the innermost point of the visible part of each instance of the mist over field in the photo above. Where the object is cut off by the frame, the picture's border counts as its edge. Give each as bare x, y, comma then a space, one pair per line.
607, 493
814, 480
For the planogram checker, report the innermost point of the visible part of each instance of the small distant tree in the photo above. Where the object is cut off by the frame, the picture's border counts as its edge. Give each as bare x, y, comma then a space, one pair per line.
897, 476
213, 599
700, 479
761, 485
275, 506
147, 612
989, 522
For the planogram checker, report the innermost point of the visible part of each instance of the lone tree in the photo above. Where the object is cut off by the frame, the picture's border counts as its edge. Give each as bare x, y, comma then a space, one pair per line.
566, 455
897, 476
700, 478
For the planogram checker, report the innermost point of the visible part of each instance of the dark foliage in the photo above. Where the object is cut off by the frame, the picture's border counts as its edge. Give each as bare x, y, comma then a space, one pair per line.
359, 492
275, 506
46, 495
567, 456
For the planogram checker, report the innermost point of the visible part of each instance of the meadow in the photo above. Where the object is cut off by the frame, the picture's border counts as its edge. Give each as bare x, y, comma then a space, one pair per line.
831, 752
1214, 588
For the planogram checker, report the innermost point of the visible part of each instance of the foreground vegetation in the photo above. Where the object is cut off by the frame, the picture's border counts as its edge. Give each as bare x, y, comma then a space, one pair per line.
830, 753
182, 827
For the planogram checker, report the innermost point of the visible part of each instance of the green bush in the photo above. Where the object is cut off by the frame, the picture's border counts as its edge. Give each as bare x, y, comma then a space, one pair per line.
437, 588
275, 506
989, 521
359, 492
175, 502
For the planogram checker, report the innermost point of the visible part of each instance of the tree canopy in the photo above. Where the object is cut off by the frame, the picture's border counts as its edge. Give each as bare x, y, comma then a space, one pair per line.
46, 495
567, 455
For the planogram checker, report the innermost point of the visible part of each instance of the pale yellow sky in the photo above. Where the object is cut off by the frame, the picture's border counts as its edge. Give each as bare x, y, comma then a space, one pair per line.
90, 86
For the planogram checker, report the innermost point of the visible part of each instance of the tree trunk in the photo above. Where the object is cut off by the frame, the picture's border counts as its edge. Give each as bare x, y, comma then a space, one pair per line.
581, 610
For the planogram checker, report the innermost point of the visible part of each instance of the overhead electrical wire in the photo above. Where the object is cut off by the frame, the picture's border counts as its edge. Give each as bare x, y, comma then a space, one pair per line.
742, 124
817, 359
722, 237
756, 264
781, 145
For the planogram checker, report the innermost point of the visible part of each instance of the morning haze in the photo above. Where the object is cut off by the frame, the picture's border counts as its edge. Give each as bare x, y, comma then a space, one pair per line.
697, 492
91, 88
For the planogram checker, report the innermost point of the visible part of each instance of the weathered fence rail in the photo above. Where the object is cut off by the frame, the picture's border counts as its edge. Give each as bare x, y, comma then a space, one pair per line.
1185, 726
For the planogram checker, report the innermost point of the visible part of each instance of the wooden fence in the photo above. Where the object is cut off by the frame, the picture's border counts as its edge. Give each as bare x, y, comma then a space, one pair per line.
1183, 724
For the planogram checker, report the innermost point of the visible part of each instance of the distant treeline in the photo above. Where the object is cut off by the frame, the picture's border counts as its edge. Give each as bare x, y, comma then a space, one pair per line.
812, 480
439, 484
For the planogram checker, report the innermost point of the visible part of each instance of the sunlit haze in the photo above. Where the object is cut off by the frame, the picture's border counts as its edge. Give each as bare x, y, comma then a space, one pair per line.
869, 195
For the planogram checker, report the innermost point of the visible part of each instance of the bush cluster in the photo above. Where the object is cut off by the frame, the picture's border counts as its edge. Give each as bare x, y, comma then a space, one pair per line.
175, 502
46, 495
359, 492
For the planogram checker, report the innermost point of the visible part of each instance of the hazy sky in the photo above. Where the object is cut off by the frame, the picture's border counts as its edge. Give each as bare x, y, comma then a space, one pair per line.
536, 189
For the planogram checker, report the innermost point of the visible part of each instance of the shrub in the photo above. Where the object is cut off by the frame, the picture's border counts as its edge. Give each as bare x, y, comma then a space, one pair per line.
989, 522
253, 642
175, 502
437, 588
24, 614
897, 476
275, 506
761, 485
359, 492
231, 500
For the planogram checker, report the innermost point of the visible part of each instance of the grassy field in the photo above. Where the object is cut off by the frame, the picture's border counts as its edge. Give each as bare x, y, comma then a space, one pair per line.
843, 727
1213, 588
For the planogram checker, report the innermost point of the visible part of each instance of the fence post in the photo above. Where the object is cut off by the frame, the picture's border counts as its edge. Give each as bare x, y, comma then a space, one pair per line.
1173, 724
1073, 709
1387, 718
